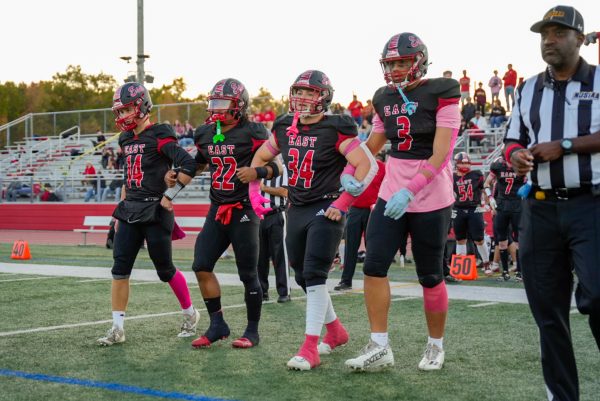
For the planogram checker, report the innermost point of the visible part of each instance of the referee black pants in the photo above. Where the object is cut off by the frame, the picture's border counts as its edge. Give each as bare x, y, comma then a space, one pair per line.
560, 237
272, 248
356, 224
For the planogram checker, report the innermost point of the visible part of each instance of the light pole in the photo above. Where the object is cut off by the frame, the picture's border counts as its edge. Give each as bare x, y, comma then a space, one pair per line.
141, 75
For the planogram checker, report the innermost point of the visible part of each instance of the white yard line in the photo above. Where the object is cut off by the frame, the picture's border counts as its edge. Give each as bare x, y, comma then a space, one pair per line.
27, 279
403, 299
483, 304
93, 280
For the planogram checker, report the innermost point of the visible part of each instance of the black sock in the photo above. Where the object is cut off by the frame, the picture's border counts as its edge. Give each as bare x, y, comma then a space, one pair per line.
504, 260
212, 304
517, 261
253, 299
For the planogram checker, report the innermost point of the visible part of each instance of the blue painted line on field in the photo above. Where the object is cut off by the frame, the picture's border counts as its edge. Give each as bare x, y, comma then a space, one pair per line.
122, 388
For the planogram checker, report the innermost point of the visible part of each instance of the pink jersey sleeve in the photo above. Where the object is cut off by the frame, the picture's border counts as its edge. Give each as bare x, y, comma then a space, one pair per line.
448, 114
378, 124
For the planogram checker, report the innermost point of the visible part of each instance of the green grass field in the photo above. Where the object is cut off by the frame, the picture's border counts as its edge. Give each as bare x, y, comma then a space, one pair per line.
492, 352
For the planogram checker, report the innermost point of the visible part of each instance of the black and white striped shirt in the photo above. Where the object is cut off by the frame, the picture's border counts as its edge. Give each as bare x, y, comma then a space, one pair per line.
281, 181
547, 110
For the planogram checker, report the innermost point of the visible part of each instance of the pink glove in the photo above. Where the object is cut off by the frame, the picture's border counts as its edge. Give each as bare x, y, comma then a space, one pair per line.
257, 200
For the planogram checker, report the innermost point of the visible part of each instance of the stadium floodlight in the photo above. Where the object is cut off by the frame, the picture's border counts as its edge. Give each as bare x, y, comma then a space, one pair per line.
125, 58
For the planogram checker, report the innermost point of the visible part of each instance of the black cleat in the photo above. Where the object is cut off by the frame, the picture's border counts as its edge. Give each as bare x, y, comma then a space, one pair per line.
342, 287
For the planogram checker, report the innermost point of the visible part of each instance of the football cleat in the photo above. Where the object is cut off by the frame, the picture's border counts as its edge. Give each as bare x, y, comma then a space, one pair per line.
190, 322
372, 357
433, 358
245, 342
301, 363
333, 339
114, 336
214, 333
518, 277
504, 277
495, 267
342, 287
487, 269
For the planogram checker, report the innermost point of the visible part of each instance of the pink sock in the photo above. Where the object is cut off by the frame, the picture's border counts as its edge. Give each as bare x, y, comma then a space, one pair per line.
336, 334
308, 350
179, 286
436, 299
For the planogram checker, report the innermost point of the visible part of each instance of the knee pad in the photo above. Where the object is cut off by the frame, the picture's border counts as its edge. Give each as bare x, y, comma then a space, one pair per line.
165, 275
374, 269
431, 280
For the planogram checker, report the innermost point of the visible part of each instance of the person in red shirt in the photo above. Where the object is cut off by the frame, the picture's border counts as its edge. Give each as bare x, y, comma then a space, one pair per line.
356, 225
465, 87
510, 81
356, 108
268, 117
480, 98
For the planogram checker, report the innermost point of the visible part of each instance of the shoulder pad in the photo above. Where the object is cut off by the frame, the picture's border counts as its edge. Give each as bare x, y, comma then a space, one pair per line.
258, 131
201, 131
163, 131
446, 88
345, 125
285, 119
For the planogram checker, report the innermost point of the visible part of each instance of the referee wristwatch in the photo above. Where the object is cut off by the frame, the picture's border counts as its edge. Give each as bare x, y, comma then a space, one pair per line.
567, 146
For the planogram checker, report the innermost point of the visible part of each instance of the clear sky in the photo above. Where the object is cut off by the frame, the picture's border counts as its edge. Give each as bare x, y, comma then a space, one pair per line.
268, 43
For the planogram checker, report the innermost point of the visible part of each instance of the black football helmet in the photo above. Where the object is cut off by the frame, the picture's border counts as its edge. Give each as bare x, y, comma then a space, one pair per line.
323, 93
404, 46
228, 101
135, 95
462, 162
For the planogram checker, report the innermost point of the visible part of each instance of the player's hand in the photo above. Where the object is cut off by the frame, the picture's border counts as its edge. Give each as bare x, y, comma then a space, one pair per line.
351, 185
333, 213
493, 203
398, 203
522, 161
170, 178
246, 174
167, 204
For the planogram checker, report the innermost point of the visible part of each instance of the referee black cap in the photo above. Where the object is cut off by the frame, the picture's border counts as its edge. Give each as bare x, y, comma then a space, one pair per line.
562, 15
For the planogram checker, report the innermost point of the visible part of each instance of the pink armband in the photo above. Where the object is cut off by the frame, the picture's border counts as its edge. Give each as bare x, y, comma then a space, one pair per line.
349, 169
355, 143
417, 183
429, 167
272, 149
344, 202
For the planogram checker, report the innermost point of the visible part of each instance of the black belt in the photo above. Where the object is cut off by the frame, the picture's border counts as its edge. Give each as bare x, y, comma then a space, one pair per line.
276, 210
559, 193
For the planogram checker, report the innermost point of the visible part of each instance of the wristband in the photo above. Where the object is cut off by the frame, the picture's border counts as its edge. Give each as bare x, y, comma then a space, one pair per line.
171, 193
488, 192
275, 168
261, 172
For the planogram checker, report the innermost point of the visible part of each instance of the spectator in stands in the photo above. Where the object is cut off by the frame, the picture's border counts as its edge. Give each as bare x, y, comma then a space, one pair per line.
355, 108
99, 138
495, 85
367, 112
468, 110
93, 187
465, 87
480, 98
510, 82
107, 153
120, 160
479, 125
49, 195
447, 74
16, 189
498, 114
114, 187
268, 117
88, 173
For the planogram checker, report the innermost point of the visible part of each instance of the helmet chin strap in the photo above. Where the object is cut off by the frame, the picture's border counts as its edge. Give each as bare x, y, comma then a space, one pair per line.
411, 107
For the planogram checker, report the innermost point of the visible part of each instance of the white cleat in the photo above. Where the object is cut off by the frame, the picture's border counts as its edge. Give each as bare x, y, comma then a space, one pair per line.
190, 322
433, 358
114, 336
372, 357
298, 363
324, 349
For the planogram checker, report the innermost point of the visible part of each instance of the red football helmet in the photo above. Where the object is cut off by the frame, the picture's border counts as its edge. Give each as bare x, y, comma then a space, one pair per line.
134, 95
462, 162
320, 84
404, 47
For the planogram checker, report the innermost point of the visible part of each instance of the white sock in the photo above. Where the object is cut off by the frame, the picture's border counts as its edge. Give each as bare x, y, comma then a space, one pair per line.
380, 338
483, 252
118, 319
316, 307
189, 311
461, 249
436, 341
330, 315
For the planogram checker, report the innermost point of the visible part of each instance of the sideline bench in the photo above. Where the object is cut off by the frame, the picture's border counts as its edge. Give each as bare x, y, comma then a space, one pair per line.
101, 224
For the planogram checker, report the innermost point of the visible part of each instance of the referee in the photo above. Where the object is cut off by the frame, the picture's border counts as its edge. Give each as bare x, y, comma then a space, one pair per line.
271, 238
554, 134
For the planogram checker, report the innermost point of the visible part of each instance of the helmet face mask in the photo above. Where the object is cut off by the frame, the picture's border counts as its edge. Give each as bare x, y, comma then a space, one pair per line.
227, 102
131, 105
311, 94
411, 53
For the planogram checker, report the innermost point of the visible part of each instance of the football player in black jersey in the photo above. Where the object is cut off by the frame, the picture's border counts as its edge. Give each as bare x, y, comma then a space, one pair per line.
420, 118
468, 190
226, 144
145, 211
508, 210
316, 149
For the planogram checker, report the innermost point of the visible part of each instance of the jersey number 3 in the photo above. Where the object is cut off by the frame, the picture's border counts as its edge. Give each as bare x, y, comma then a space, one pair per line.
304, 170
403, 124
